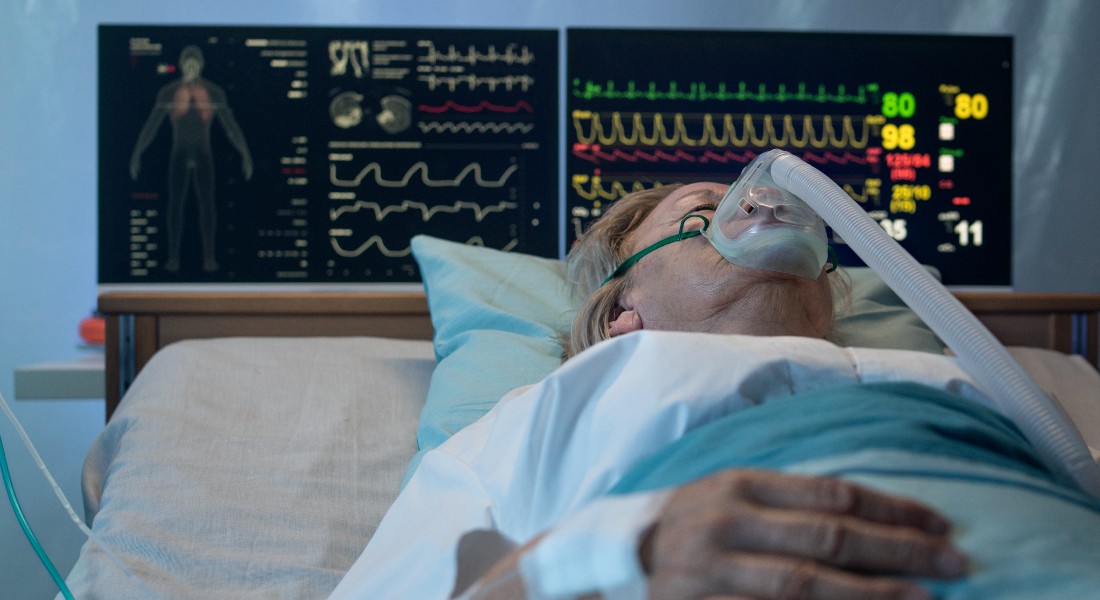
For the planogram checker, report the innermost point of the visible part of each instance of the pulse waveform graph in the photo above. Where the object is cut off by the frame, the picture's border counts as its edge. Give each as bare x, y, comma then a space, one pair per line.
361, 215
420, 170
372, 215
381, 211
718, 131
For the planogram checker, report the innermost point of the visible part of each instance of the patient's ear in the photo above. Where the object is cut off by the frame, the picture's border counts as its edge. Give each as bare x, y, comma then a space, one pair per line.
625, 322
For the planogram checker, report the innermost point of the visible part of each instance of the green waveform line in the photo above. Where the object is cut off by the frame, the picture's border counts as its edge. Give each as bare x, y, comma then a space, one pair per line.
698, 92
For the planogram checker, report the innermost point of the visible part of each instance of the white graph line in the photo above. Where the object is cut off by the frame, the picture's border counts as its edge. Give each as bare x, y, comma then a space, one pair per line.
473, 127
473, 56
376, 241
472, 82
426, 211
421, 167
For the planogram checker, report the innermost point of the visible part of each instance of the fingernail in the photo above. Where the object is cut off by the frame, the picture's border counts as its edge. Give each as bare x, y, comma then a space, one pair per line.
951, 563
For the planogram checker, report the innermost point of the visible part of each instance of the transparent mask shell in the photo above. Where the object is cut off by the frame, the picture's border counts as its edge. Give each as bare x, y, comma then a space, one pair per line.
762, 226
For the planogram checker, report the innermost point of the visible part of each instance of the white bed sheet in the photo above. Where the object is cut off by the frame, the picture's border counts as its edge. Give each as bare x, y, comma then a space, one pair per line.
1073, 382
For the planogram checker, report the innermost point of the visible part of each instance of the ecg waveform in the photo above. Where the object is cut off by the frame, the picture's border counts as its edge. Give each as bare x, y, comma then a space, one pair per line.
426, 211
838, 159
483, 106
376, 241
374, 169
512, 55
470, 127
473, 82
698, 92
651, 129
597, 154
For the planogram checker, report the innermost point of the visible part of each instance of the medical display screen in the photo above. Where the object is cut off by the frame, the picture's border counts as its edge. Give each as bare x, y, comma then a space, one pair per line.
917, 129
313, 154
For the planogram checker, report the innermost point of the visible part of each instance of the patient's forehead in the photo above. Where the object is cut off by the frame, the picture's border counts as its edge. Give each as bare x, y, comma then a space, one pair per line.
669, 211
680, 199
706, 189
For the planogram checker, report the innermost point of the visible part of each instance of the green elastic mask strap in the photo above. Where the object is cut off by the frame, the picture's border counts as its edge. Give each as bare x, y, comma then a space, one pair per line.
834, 260
683, 235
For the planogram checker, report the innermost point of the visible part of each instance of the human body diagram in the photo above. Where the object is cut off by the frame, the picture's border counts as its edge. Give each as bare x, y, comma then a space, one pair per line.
191, 104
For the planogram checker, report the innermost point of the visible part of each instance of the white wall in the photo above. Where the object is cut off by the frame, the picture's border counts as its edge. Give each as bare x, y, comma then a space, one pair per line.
48, 161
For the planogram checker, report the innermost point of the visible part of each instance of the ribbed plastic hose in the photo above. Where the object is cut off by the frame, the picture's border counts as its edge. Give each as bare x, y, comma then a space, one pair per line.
1045, 424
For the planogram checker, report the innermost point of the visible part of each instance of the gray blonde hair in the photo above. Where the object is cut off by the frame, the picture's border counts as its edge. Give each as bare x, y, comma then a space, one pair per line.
596, 254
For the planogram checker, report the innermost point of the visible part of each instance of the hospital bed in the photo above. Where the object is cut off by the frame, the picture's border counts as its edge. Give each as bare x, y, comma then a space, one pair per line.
255, 440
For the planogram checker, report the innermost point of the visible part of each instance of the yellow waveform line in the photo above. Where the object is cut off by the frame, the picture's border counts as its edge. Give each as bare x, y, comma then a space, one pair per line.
864, 196
422, 168
593, 188
632, 129
426, 211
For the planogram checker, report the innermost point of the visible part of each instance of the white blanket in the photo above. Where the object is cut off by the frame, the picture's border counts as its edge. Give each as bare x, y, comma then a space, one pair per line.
543, 455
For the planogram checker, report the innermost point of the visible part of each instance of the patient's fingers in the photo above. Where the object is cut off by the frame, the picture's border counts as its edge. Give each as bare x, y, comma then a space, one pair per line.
770, 535
832, 496
740, 575
841, 541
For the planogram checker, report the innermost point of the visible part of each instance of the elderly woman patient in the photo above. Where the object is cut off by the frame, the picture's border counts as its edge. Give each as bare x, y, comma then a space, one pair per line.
622, 476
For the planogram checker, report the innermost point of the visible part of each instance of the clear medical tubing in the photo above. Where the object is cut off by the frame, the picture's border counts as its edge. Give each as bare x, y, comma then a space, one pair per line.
1013, 392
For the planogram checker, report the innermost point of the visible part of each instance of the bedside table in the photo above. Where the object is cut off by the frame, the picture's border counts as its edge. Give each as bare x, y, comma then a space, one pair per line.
79, 378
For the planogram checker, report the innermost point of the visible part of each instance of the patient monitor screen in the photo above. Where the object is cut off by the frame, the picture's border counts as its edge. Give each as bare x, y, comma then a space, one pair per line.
294, 154
917, 129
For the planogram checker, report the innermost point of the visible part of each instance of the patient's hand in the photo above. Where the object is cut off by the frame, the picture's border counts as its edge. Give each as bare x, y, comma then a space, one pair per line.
768, 535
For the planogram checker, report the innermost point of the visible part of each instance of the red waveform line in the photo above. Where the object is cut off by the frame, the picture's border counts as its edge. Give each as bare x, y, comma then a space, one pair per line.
596, 155
484, 105
677, 156
828, 157
727, 157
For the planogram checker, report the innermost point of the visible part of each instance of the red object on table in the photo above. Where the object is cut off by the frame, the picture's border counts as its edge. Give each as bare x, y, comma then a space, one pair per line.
93, 330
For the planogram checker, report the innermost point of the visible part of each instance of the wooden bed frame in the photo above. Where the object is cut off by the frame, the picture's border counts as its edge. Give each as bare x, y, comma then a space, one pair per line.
140, 323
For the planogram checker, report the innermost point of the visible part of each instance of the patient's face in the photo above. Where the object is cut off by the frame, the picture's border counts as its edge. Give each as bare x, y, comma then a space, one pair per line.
688, 286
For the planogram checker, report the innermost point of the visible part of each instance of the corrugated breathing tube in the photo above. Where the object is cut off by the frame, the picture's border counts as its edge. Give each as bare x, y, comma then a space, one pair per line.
1042, 420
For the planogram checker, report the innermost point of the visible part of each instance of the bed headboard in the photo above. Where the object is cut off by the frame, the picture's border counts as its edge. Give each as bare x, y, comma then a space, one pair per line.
140, 323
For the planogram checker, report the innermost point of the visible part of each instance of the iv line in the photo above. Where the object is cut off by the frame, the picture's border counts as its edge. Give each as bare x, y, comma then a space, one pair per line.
41, 552
64, 503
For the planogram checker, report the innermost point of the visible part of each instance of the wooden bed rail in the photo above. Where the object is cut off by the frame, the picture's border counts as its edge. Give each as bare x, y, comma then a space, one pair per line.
1068, 323
140, 323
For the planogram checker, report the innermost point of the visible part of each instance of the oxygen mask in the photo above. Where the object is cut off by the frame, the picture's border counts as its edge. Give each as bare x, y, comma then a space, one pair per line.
763, 226
758, 225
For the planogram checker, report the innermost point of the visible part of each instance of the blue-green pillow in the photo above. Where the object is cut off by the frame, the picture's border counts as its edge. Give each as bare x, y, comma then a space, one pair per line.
498, 315
875, 317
